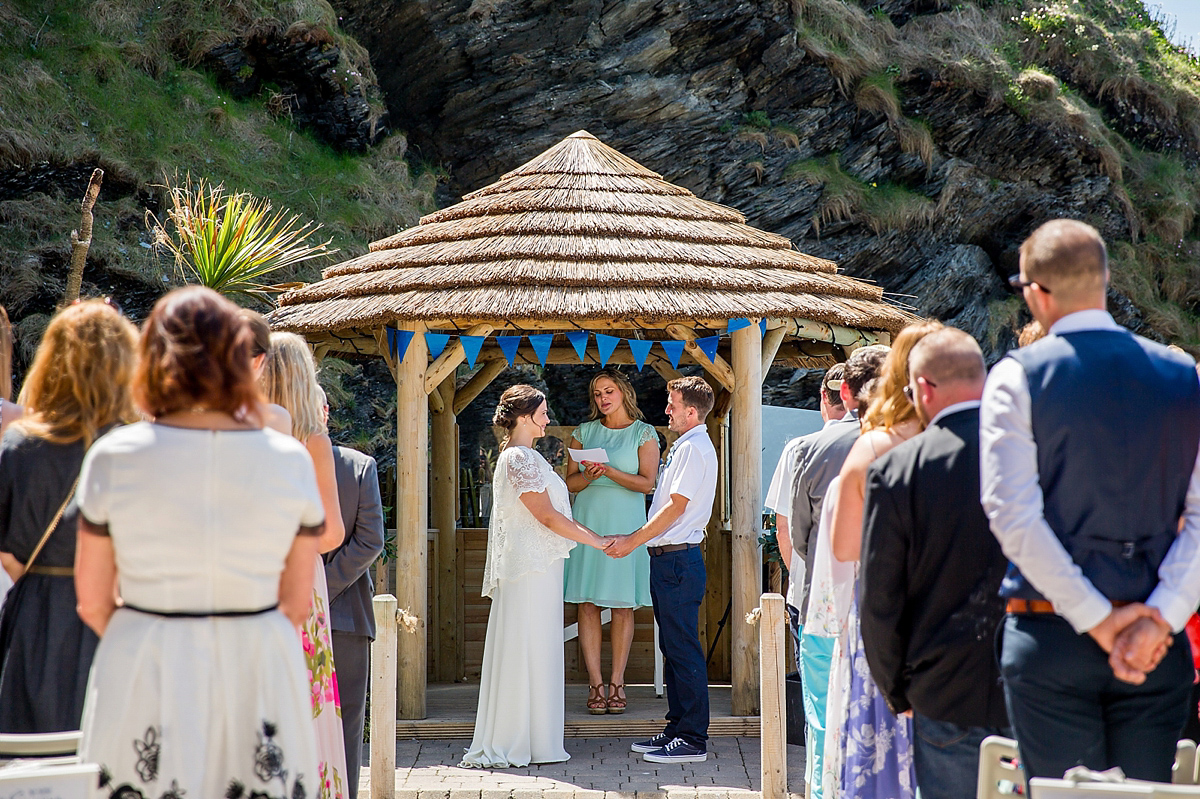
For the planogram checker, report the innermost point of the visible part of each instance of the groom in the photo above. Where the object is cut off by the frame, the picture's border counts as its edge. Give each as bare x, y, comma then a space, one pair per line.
679, 515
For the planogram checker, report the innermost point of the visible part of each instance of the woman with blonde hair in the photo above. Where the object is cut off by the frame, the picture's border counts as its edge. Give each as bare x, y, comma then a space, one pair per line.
77, 388
9, 411
867, 750
290, 380
610, 498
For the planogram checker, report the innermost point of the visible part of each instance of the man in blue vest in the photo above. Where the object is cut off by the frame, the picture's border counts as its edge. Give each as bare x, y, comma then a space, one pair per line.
1089, 442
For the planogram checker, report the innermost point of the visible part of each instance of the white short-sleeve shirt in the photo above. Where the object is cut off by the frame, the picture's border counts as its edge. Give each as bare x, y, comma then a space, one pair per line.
690, 471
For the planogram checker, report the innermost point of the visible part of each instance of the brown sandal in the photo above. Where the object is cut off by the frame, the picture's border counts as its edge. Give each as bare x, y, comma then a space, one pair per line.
616, 704
597, 705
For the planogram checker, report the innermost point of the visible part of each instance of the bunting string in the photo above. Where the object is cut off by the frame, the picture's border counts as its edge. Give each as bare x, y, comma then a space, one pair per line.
398, 342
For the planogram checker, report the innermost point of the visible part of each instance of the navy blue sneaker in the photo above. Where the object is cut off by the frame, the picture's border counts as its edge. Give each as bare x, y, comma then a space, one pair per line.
677, 751
657, 742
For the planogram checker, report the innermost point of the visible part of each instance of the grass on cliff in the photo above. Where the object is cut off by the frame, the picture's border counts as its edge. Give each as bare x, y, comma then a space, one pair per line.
880, 206
115, 81
1063, 64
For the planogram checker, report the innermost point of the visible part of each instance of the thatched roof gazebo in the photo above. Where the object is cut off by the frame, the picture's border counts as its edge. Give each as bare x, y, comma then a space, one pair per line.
581, 238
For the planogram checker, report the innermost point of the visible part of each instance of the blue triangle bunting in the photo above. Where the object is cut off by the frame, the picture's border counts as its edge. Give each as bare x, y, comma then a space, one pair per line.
674, 351
508, 345
640, 349
579, 340
737, 324
436, 343
708, 345
541, 345
606, 345
398, 341
762, 325
471, 346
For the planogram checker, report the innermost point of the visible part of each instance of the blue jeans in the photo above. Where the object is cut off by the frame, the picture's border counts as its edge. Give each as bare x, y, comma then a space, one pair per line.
1068, 709
946, 757
677, 581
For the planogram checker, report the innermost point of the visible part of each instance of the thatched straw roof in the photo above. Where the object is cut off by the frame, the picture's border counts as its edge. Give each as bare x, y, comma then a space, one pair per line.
585, 234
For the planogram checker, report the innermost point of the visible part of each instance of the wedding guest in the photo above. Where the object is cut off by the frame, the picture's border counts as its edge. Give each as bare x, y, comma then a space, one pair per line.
9, 411
610, 498
1089, 441
880, 763
778, 499
351, 592
521, 689
77, 388
679, 517
931, 572
816, 461
206, 525
290, 376
274, 416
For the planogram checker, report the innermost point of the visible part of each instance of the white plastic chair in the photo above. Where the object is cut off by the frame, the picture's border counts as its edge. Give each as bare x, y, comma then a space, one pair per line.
1184, 770
999, 775
41, 744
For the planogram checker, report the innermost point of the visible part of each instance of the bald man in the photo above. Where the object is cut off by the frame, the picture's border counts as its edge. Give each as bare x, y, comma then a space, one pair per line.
1089, 441
931, 571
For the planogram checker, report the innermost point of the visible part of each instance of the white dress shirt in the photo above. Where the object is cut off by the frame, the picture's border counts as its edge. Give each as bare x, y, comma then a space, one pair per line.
690, 471
1012, 497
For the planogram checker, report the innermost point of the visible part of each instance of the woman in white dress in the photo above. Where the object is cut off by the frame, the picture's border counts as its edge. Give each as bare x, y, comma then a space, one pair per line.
521, 689
206, 525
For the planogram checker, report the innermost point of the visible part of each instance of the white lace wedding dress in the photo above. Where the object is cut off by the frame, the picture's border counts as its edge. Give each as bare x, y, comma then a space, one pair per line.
521, 689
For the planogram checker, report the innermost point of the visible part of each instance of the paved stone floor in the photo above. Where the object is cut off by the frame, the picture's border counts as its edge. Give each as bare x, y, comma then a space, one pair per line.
599, 768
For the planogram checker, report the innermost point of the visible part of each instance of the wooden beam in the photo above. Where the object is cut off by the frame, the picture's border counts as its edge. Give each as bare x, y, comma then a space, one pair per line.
353, 343
383, 696
745, 467
717, 367
449, 360
770, 345
436, 405
773, 733
412, 503
444, 463
665, 370
478, 382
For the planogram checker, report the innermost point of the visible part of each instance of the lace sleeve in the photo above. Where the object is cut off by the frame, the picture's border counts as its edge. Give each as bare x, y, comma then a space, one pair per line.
524, 472
646, 432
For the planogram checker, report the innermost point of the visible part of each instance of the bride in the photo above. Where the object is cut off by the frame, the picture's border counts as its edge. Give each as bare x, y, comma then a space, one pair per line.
521, 690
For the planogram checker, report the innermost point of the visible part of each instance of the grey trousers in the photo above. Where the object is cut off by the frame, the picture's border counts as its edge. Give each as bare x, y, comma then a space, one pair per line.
352, 660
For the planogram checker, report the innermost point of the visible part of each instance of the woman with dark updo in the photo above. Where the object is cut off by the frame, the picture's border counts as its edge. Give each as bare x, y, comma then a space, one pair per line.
521, 689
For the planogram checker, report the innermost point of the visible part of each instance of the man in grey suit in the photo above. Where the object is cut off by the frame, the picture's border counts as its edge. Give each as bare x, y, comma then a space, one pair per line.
819, 457
351, 615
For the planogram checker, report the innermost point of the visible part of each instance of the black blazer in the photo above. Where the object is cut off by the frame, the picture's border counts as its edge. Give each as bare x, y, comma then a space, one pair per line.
931, 571
347, 567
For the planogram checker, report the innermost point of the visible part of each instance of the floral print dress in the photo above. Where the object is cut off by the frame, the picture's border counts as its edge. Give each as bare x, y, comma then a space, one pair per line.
326, 703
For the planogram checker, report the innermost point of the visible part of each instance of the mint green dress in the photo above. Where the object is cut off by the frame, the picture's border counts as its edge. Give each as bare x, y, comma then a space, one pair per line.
609, 509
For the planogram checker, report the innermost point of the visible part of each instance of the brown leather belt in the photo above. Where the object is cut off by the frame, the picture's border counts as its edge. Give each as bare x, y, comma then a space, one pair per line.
665, 548
1023, 606
53, 571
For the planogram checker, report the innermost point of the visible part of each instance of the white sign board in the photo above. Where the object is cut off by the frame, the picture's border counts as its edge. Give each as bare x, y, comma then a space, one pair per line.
779, 426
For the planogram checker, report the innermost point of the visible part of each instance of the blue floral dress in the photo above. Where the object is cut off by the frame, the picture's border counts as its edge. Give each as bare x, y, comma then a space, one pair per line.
878, 746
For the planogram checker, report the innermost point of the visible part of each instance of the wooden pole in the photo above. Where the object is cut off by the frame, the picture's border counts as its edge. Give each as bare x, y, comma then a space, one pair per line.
444, 457
81, 239
717, 367
745, 467
478, 382
412, 521
773, 733
383, 700
449, 360
770, 346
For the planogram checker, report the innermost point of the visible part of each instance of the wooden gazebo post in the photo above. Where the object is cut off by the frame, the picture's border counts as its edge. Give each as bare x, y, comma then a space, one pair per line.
443, 462
412, 521
746, 513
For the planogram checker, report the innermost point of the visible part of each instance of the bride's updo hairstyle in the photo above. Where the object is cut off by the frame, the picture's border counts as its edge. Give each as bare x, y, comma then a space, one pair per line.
517, 401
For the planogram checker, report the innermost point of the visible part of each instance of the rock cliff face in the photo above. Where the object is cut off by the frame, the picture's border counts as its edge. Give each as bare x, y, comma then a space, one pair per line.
723, 98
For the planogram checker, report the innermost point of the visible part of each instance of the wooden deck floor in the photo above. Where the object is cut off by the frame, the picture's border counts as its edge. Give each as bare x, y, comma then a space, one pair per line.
451, 708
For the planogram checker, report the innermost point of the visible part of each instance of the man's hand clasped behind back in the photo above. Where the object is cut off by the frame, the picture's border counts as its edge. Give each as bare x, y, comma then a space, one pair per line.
1136, 638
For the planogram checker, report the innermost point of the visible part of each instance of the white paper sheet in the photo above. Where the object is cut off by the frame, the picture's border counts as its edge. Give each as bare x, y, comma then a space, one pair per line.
594, 455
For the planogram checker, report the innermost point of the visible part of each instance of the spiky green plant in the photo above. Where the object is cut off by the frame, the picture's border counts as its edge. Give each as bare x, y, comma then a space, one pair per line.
229, 241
